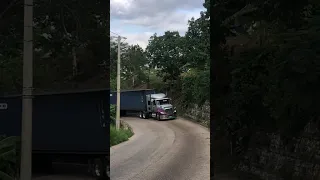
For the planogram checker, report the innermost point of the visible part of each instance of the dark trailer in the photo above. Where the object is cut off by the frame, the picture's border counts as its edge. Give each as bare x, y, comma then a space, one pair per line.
131, 100
67, 126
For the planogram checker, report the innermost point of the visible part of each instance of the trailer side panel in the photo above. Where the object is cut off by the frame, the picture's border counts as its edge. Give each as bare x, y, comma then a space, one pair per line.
75, 122
134, 100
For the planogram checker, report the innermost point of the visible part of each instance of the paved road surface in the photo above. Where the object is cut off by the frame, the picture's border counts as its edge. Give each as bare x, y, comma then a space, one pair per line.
162, 150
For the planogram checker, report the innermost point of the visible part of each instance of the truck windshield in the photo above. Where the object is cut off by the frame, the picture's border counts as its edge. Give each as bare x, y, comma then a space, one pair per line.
163, 101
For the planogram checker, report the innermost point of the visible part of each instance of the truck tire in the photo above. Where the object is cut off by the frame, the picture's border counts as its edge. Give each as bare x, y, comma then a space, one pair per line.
145, 115
158, 117
99, 168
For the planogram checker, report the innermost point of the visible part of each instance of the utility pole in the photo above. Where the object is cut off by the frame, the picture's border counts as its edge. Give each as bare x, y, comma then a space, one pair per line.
118, 85
26, 128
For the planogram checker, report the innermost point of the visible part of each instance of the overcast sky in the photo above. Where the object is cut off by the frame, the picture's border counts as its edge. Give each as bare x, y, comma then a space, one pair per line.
139, 19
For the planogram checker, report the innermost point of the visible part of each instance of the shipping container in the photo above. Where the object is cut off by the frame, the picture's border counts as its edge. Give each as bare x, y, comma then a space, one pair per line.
132, 100
71, 125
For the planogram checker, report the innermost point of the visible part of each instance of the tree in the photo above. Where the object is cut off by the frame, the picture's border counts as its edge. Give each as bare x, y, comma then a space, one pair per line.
196, 81
68, 50
134, 62
198, 42
166, 53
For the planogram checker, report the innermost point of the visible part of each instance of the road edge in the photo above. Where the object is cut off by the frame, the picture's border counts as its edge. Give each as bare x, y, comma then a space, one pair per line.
186, 117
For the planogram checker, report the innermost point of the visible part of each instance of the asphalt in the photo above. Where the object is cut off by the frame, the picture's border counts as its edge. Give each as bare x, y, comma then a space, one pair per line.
162, 150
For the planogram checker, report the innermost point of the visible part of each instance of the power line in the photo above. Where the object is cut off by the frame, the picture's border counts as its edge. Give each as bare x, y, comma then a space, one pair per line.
115, 33
122, 37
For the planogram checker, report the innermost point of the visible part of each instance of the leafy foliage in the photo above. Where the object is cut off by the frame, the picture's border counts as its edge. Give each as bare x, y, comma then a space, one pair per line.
195, 87
132, 62
68, 51
266, 69
8, 158
167, 55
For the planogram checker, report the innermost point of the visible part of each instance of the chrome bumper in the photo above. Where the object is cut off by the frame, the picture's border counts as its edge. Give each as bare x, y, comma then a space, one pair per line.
166, 116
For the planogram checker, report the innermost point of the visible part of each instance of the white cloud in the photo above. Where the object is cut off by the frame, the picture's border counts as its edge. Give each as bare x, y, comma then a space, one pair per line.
151, 17
138, 38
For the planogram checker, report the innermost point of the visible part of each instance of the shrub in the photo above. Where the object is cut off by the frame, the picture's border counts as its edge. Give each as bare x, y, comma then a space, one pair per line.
119, 136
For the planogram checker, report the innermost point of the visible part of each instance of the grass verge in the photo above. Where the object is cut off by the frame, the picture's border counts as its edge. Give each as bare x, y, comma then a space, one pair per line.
119, 136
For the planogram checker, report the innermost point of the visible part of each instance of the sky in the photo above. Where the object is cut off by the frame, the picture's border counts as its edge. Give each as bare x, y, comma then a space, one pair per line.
137, 20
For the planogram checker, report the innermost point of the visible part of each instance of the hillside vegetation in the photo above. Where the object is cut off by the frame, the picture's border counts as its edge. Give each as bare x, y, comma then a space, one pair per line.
265, 75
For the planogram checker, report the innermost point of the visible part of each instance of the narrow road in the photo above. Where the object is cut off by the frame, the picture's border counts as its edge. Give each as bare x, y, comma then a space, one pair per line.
162, 150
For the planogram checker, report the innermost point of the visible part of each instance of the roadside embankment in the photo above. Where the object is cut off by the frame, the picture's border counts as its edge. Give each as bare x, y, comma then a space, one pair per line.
198, 114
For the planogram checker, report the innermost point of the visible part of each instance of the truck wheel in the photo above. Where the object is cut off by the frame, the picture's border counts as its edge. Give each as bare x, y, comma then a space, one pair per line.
145, 115
99, 168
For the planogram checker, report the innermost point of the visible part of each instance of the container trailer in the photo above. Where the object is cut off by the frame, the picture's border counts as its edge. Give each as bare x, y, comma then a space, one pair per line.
69, 126
131, 100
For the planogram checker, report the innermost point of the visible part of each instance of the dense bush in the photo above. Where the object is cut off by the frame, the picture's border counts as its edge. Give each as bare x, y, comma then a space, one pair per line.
195, 88
119, 136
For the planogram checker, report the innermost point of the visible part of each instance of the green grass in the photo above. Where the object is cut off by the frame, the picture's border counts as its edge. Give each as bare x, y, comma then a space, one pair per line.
119, 136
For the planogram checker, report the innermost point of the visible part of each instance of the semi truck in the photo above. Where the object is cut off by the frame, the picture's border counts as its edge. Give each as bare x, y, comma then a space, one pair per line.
146, 102
68, 126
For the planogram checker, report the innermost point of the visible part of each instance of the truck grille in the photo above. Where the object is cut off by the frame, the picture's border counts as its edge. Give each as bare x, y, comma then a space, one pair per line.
169, 111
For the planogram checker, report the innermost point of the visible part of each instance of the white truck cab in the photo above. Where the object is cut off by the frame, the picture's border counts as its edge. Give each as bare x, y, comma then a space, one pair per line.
159, 107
